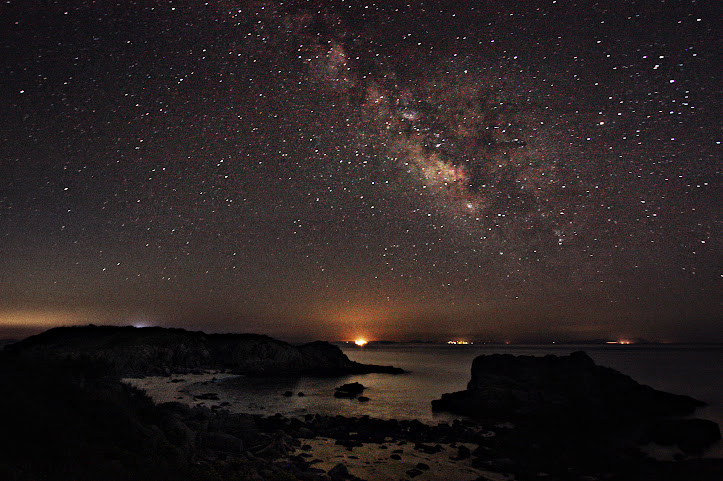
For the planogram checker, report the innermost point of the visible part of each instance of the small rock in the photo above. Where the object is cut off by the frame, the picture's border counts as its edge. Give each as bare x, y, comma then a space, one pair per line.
288, 394
348, 443
211, 396
412, 473
395, 456
363, 399
338, 472
423, 466
301, 394
428, 449
350, 390
463, 452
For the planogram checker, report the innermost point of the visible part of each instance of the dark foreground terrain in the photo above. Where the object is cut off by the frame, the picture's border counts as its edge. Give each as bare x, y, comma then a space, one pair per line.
72, 419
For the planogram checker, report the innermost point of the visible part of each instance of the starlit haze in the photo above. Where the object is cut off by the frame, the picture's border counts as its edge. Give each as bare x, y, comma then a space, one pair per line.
517, 171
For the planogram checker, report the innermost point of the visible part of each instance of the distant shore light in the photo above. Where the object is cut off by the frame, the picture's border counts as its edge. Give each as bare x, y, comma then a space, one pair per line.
460, 342
360, 342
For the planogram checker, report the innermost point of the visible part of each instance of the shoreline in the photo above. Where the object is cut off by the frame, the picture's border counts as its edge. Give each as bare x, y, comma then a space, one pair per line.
370, 461
375, 449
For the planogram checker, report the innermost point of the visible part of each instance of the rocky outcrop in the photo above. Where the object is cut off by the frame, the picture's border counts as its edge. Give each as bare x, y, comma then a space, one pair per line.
130, 351
570, 397
504, 385
349, 391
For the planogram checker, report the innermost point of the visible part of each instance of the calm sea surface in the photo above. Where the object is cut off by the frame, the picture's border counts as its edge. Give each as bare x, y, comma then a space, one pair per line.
696, 371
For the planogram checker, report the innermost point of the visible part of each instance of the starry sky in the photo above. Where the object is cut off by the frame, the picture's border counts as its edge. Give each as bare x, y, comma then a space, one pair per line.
503, 170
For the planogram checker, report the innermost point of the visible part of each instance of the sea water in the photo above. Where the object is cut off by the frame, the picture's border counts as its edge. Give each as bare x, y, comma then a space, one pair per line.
434, 369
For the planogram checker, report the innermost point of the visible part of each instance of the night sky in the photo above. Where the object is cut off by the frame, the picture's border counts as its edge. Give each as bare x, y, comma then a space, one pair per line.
503, 170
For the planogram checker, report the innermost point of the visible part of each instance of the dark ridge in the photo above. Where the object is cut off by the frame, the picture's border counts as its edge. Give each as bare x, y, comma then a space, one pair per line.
131, 351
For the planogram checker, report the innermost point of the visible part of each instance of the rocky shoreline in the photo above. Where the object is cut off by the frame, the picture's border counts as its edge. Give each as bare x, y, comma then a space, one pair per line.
71, 417
470, 449
571, 397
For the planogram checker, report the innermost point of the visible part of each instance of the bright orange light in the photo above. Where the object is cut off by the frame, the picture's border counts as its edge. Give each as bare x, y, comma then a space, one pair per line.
360, 342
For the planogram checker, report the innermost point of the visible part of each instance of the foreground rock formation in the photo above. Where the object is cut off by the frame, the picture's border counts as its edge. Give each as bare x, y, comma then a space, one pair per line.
132, 352
571, 394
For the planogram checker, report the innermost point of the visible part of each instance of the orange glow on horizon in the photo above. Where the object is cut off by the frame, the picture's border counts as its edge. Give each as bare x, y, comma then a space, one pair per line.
360, 342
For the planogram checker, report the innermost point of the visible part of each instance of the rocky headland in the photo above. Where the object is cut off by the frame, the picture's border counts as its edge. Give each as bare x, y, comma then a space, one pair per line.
134, 352
574, 401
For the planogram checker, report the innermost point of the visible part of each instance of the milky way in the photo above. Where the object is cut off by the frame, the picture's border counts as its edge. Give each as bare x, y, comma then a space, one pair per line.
529, 170
460, 134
